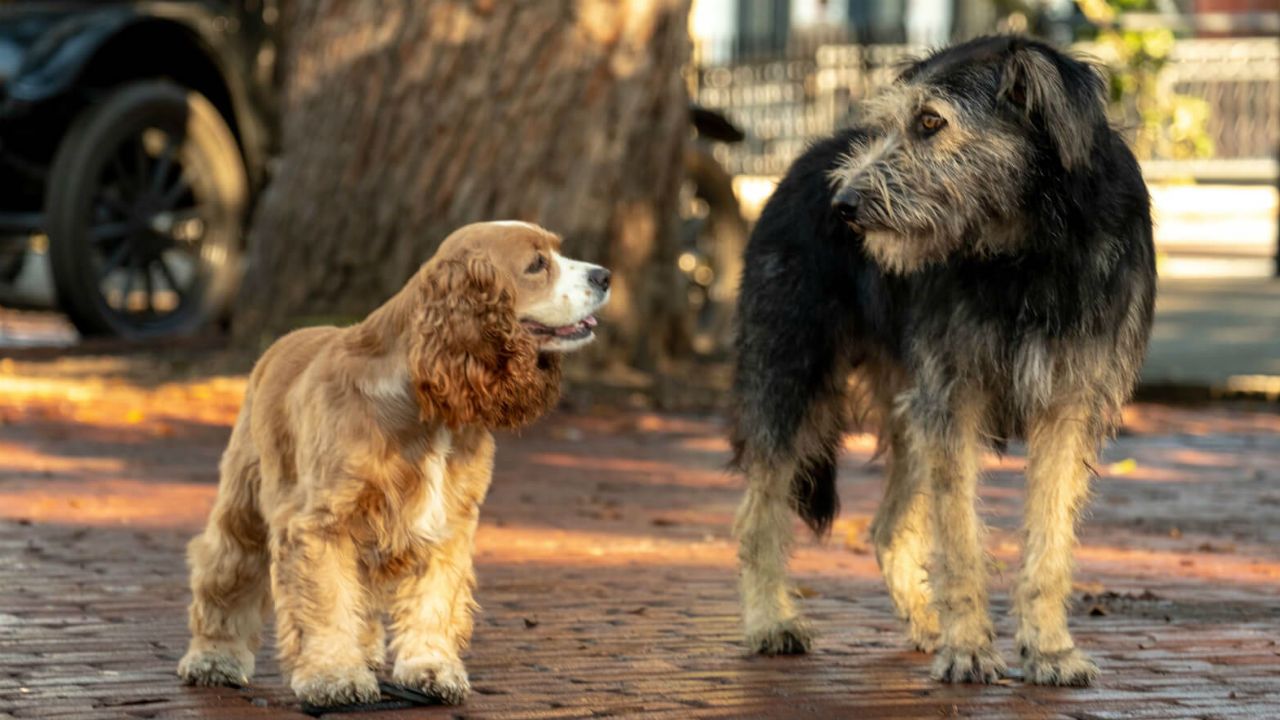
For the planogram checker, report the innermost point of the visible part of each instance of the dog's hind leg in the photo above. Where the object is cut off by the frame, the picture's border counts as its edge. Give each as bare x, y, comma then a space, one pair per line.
763, 527
1061, 441
945, 441
229, 576
804, 481
798, 315
902, 533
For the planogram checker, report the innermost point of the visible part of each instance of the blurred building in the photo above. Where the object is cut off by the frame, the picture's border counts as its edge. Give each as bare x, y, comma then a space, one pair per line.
746, 28
1222, 18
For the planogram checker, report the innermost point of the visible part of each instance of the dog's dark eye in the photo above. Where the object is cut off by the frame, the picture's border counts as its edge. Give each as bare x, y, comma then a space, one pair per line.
538, 265
929, 123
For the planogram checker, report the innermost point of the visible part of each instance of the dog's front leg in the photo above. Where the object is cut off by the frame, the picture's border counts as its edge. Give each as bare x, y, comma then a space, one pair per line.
431, 616
763, 527
1061, 441
431, 610
946, 441
321, 612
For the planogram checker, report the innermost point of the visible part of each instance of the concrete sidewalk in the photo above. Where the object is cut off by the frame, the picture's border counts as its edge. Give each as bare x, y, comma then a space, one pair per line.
607, 573
1223, 335
1212, 337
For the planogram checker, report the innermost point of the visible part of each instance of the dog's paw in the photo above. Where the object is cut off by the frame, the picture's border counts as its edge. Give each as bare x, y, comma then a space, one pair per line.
212, 667
981, 664
1067, 667
443, 679
791, 637
325, 687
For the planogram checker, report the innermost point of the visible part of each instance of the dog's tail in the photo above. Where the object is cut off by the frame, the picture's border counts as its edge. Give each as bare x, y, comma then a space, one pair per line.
813, 494
798, 304
810, 488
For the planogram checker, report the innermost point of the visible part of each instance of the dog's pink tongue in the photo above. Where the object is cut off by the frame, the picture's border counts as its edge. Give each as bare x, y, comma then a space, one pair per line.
587, 322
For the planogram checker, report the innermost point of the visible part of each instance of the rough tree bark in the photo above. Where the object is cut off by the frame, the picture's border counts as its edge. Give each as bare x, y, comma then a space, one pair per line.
402, 121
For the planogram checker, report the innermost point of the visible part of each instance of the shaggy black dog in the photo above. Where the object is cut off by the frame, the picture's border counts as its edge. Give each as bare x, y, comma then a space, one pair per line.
972, 262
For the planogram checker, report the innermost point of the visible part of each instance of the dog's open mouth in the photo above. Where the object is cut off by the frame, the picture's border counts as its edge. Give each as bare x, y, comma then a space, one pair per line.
581, 329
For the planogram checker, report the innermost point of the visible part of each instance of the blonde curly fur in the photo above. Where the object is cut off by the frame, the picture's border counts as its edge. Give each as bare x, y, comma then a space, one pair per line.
472, 361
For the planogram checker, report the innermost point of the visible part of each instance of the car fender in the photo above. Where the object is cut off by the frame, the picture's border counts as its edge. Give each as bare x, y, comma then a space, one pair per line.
57, 57
62, 52
54, 61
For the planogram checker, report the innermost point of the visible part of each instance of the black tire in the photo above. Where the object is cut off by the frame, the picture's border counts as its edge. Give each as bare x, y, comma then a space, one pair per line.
147, 188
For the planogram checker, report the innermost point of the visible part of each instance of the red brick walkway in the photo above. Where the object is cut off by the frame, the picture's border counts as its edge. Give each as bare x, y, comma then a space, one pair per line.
607, 574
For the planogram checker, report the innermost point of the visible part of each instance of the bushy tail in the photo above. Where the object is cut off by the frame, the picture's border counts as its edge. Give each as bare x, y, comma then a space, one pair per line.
798, 305
814, 496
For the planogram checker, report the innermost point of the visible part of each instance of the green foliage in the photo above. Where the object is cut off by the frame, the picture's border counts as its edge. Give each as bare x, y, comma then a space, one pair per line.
1163, 124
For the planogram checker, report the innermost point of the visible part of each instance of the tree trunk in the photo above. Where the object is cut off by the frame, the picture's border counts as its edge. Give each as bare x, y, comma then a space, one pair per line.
403, 121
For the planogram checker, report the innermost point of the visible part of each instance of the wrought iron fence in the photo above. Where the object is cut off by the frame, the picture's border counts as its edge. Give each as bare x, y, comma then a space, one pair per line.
1241, 82
783, 103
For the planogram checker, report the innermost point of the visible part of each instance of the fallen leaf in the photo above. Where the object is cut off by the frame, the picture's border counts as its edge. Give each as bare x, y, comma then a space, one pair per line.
1124, 467
854, 531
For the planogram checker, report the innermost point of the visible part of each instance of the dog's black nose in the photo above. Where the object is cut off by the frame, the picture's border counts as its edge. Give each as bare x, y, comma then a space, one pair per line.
599, 278
846, 205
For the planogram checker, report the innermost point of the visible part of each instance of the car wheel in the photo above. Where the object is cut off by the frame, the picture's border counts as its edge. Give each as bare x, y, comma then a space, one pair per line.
144, 213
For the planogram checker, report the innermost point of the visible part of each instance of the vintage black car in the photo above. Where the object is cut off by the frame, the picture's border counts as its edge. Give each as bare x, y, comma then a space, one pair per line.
133, 136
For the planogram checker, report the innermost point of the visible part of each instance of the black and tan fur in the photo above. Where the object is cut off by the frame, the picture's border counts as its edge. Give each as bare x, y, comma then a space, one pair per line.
976, 253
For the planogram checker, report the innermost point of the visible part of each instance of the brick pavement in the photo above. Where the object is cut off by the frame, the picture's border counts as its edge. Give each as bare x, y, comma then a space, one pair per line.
607, 574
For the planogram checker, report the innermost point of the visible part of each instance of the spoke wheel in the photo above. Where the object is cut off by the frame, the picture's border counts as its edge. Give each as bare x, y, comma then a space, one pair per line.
145, 213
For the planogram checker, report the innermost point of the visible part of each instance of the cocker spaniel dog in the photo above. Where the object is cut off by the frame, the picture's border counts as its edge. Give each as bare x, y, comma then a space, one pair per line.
352, 484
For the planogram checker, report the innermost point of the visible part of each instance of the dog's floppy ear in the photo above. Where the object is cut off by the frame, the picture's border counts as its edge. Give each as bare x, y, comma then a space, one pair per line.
471, 361
1063, 95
